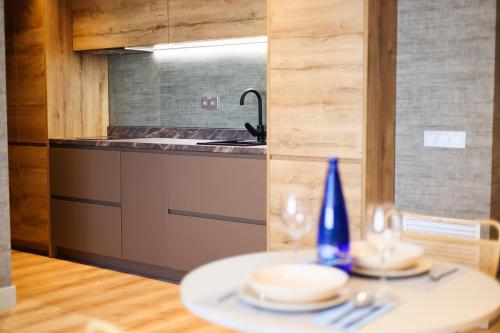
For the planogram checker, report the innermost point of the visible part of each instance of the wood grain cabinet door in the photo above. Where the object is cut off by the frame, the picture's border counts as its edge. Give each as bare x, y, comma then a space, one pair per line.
30, 84
215, 19
145, 207
29, 197
103, 24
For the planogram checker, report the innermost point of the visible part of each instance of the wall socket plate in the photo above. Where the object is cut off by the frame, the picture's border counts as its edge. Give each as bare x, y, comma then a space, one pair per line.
444, 139
210, 102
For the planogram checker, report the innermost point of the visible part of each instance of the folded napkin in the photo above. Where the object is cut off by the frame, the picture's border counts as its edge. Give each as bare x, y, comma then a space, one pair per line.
355, 319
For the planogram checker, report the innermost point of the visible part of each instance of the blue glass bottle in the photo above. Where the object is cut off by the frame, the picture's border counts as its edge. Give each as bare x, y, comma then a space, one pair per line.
333, 233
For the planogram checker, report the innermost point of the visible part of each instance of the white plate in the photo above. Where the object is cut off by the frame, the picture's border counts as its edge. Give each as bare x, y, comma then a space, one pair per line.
422, 266
251, 297
297, 282
404, 256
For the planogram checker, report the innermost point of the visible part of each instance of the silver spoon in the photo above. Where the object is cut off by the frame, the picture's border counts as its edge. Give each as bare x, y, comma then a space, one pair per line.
362, 299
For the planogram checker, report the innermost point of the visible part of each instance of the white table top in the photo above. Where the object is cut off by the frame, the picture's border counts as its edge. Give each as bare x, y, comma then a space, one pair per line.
461, 301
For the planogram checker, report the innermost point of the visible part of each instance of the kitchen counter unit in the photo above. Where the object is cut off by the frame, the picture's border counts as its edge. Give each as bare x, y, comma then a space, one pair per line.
165, 144
156, 206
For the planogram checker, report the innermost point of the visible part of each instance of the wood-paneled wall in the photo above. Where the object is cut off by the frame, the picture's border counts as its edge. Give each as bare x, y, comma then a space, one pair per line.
315, 103
51, 92
379, 101
26, 99
77, 84
325, 61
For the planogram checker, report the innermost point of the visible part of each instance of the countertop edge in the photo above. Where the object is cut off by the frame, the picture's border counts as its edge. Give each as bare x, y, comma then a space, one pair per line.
124, 144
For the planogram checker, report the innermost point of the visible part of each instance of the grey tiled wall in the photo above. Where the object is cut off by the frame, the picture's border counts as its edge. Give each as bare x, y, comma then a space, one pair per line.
5, 266
165, 90
445, 81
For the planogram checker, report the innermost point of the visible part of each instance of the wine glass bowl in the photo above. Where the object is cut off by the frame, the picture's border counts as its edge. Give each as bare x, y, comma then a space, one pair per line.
295, 218
382, 234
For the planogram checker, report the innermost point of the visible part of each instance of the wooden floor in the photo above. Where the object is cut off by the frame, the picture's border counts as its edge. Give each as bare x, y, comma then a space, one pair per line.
61, 296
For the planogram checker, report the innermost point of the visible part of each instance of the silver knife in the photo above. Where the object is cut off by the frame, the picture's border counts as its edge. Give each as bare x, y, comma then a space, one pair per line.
439, 276
225, 296
374, 309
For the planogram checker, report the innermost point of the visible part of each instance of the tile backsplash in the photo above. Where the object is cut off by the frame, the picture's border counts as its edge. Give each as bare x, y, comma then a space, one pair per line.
164, 89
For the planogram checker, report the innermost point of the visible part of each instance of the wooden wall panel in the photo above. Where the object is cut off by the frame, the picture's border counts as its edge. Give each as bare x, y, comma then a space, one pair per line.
380, 101
315, 103
30, 96
307, 178
29, 193
77, 84
315, 78
52, 92
215, 19
101, 24
11, 71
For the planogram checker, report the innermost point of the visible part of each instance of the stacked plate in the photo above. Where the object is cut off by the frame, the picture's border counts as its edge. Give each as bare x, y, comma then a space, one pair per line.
296, 287
406, 260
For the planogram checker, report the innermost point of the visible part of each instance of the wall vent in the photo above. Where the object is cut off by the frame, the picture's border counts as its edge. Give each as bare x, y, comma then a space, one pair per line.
440, 228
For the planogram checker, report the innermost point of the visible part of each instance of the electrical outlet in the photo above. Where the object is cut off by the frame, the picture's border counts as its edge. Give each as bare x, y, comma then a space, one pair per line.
444, 139
210, 102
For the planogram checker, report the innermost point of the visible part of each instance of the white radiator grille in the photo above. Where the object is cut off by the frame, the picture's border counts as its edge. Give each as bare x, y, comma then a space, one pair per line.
439, 228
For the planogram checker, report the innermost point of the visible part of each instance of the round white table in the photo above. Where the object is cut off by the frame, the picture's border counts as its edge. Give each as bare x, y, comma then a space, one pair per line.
461, 301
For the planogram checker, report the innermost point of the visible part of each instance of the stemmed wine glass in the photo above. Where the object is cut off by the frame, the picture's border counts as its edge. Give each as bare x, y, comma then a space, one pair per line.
383, 233
295, 218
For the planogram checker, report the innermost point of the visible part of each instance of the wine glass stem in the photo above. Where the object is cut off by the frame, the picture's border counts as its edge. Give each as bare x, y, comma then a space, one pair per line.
296, 243
383, 276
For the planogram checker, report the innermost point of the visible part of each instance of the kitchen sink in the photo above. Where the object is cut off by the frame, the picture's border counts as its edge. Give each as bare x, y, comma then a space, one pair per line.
245, 143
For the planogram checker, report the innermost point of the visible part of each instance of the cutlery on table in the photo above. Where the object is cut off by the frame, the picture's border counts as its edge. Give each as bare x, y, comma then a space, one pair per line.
437, 276
224, 296
376, 311
361, 300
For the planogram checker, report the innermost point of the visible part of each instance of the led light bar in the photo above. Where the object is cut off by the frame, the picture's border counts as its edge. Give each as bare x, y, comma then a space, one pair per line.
205, 43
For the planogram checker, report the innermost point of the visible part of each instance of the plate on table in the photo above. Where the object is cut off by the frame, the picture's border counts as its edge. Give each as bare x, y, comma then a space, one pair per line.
250, 296
404, 256
294, 283
422, 266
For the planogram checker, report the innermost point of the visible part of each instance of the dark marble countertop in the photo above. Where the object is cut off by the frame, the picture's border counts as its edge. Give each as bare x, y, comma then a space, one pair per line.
180, 140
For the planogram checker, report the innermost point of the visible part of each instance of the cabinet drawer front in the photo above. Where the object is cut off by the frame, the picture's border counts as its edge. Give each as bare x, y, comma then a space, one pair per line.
86, 227
232, 187
85, 174
195, 241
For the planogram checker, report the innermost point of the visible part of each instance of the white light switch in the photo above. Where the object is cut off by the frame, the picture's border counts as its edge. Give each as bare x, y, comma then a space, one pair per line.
444, 139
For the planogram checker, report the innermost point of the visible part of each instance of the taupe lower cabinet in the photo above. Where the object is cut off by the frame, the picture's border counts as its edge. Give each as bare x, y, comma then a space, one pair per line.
173, 211
144, 208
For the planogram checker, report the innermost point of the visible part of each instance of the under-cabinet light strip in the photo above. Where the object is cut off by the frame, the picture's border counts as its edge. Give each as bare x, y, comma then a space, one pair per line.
205, 43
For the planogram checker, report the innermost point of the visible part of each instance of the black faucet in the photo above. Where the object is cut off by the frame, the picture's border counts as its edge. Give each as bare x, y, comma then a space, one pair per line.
260, 131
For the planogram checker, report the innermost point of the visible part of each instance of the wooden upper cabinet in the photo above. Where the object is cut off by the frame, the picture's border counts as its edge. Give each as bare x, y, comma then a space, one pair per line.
316, 77
214, 19
99, 24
